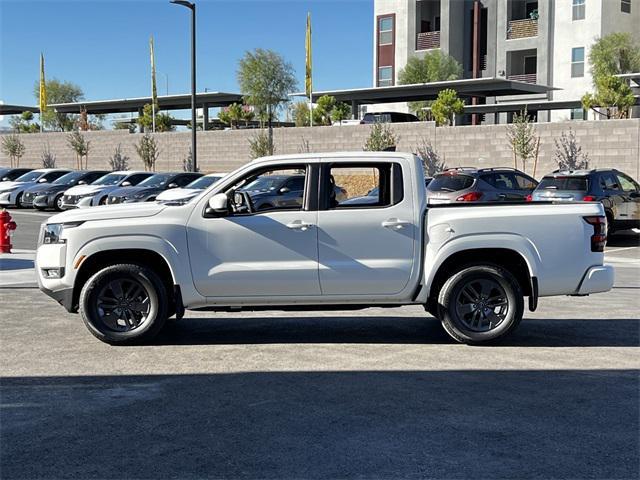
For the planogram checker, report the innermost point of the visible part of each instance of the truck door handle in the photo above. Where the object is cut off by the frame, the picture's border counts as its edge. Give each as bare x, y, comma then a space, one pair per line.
299, 225
395, 223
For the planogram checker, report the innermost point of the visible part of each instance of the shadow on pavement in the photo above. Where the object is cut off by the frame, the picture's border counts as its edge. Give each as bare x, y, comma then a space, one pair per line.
624, 239
390, 330
371, 424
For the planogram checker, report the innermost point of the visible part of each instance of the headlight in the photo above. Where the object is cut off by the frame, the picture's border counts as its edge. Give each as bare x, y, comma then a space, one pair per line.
52, 232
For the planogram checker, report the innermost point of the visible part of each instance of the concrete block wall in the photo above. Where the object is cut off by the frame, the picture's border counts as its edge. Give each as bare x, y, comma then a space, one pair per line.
612, 143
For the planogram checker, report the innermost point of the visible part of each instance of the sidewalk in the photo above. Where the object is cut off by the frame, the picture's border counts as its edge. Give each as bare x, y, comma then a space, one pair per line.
17, 269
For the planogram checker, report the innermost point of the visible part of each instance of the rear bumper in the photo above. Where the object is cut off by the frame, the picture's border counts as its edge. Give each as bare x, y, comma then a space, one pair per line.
597, 279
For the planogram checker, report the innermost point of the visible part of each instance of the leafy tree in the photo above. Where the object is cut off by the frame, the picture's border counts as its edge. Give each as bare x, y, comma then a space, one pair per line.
48, 157
231, 115
119, 161
22, 123
265, 80
59, 92
247, 114
80, 146
569, 154
13, 147
609, 56
260, 146
446, 106
611, 93
435, 66
522, 138
163, 120
614, 54
381, 138
300, 112
430, 158
125, 126
322, 110
148, 151
341, 111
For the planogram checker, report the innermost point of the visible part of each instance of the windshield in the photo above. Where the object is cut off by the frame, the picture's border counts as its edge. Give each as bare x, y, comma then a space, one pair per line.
30, 176
155, 181
70, 177
203, 182
110, 179
563, 183
450, 183
268, 182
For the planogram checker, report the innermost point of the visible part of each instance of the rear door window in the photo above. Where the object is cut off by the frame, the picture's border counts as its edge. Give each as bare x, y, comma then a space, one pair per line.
564, 183
450, 183
501, 180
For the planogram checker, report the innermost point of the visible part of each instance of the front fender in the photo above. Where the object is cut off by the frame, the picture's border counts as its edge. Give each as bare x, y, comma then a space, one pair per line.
437, 254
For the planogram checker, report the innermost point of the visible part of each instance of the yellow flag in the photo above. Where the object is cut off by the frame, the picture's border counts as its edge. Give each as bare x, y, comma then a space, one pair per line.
43, 87
308, 84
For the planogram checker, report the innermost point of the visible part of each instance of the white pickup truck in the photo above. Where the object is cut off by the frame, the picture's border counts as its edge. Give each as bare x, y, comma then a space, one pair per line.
128, 268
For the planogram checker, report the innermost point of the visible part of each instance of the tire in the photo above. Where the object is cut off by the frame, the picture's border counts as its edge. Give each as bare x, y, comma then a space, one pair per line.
103, 201
463, 296
57, 203
135, 326
19, 201
610, 228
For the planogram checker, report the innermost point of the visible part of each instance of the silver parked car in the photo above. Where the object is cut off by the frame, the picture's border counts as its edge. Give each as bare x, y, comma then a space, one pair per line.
467, 184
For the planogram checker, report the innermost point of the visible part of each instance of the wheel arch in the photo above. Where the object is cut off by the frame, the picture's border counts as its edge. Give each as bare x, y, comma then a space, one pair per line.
509, 259
138, 256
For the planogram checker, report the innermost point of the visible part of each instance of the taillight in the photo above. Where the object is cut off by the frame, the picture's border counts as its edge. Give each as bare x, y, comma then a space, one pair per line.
588, 198
599, 237
528, 198
469, 197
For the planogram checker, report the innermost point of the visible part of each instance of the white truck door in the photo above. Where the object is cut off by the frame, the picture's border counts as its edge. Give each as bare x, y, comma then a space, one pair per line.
367, 232
265, 253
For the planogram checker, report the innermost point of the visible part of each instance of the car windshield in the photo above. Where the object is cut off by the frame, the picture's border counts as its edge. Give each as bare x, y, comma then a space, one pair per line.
30, 176
155, 181
110, 179
69, 178
203, 182
563, 183
450, 183
265, 183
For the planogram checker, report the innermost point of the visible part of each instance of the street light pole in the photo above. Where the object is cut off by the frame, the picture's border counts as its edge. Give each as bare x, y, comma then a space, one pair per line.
192, 6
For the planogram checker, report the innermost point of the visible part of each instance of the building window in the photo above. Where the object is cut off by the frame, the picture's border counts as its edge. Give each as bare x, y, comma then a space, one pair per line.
577, 114
577, 62
625, 6
578, 9
385, 76
385, 31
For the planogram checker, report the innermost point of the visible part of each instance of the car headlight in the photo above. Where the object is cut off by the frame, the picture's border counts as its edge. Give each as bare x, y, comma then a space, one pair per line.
52, 232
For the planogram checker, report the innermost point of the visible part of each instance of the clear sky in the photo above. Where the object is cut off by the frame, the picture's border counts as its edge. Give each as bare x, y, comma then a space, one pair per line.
103, 45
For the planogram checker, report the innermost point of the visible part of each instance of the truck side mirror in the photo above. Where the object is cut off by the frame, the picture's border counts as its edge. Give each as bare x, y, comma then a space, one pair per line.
219, 203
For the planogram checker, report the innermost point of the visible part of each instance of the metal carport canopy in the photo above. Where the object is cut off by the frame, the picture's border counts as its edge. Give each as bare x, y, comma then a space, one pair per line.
165, 102
6, 109
471, 87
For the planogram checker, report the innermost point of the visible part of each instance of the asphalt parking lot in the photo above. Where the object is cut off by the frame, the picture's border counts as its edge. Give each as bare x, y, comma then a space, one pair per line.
381, 393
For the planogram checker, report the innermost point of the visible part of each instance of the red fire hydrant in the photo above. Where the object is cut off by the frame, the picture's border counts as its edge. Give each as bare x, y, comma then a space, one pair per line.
7, 226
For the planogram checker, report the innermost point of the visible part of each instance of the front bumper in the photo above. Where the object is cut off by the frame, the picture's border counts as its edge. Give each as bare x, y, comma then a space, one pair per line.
597, 279
43, 201
63, 297
5, 199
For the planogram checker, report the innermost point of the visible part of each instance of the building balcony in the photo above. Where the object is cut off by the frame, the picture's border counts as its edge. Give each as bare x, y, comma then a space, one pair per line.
524, 77
428, 40
524, 28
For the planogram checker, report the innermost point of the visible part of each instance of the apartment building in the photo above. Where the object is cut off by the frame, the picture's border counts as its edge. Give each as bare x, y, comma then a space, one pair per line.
537, 41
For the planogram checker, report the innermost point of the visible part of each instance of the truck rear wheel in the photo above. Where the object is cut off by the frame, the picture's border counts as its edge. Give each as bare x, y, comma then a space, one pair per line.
480, 303
124, 304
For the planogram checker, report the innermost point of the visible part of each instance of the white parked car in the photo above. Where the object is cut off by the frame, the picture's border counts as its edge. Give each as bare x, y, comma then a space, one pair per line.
98, 192
128, 268
11, 193
190, 191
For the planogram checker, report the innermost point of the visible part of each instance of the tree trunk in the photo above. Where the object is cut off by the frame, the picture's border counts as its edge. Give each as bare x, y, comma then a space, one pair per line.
270, 126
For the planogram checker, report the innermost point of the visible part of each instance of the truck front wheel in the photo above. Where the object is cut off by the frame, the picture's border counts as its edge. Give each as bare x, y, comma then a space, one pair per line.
124, 304
480, 303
